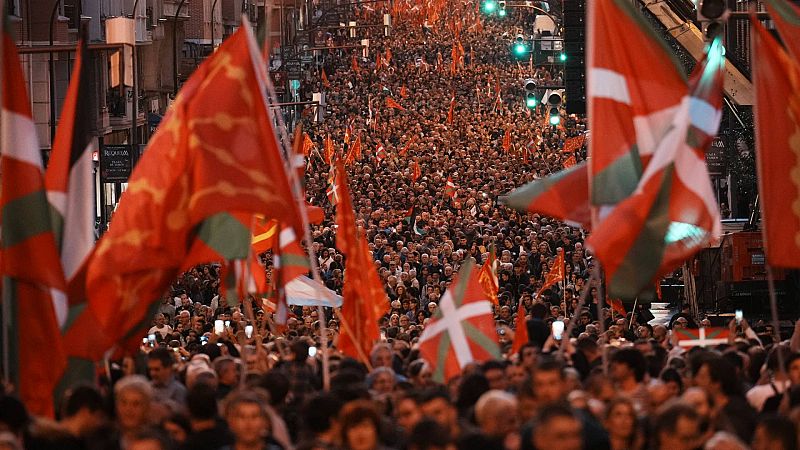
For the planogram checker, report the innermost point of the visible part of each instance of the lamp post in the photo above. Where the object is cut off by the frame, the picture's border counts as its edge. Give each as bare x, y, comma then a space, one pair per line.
52, 74
175, 49
213, 8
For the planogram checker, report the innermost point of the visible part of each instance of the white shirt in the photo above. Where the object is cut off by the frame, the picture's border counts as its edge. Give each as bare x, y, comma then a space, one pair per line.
758, 395
164, 331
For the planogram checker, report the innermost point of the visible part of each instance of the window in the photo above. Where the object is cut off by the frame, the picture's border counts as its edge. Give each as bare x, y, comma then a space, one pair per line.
12, 6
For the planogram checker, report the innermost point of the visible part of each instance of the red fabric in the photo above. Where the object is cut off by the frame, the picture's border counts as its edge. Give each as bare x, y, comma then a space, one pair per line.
777, 81
193, 169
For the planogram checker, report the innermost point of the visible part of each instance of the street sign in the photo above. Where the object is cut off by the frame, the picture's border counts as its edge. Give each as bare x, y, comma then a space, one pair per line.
115, 163
293, 68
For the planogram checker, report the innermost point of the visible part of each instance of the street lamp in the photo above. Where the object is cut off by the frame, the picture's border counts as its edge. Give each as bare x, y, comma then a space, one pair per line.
175, 49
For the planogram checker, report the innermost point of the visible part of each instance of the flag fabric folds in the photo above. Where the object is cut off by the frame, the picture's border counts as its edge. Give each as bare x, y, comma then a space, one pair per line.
776, 77
507, 140
450, 188
215, 152
329, 150
631, 98
365, 301
462, 330
787, 19
574, 143
392, 103
30, 265
563, 195
416, 172
556, 273
569, 162
673, 212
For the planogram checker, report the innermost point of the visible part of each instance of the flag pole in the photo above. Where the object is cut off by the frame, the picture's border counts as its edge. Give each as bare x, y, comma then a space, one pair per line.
633, 312
600, 306
301, 203
5, 316
574, 321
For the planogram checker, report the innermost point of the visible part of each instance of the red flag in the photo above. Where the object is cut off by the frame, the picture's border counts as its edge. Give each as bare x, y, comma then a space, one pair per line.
380, 153
462, 331
451, 110
30, 264
404, 150
787, 19
211, 170
415, 172
325, 82
450, 188
563, 195
70, 190
617, 306
404, 92
391, 103
570, 162
702, 337
308, 144
354, 64
574, 143
521, 332
674, 211
632, 98
507, 140
776, 77
330, 151
355, 151
289, 262
365, 301
334, 187
388, 56
556, 273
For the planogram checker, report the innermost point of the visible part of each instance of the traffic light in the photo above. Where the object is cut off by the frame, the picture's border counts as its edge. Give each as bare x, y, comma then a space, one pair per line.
712, 14
489, 6
531, 99
555, 116
519, 47
562, 57
554, 100
501, 13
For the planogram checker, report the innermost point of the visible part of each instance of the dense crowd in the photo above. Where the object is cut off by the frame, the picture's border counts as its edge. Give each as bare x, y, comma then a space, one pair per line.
219, 376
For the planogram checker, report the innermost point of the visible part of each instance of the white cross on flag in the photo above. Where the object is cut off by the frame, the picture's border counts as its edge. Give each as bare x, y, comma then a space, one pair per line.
462, 330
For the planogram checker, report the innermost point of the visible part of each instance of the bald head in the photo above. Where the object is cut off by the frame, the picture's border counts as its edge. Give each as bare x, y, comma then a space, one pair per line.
496, 413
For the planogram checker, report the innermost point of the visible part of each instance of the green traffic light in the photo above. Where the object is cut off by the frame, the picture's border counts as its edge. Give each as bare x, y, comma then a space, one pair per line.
555, 120
501, 13
562, 57
520, 49
530, 102
489, 6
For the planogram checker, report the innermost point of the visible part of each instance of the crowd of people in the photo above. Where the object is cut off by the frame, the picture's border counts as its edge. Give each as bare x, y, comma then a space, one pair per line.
214, 374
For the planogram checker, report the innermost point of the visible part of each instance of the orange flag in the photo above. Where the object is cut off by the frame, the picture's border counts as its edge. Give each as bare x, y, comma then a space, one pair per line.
388, 55
354, 64
354, 153
507, 140
451, 110
308, 144
569, 162
365, 301
555, 274
213, 169
391, 103
404, 92
521, 333
330, 151
404, 150
415, 172
325, 81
